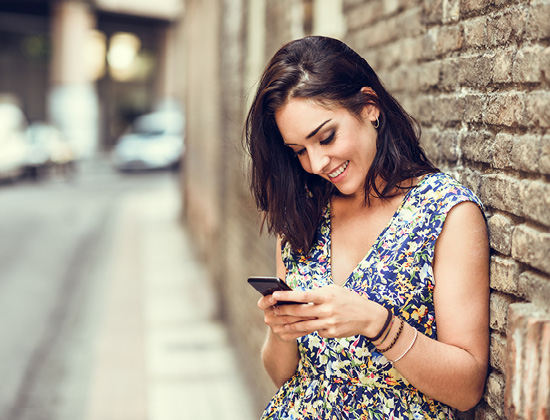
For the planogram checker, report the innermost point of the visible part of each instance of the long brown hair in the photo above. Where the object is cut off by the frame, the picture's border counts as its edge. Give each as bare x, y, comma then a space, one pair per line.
329, 72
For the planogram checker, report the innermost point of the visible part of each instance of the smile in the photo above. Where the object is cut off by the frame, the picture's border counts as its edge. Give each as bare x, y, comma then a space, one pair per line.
338, 171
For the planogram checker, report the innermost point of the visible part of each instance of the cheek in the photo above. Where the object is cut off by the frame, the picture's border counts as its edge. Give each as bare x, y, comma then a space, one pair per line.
304, 162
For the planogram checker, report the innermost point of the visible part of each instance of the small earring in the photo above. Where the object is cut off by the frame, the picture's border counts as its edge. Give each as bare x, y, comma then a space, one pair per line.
377, 123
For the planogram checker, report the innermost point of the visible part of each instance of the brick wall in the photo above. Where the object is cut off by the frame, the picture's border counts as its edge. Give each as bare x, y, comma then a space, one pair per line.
476, 74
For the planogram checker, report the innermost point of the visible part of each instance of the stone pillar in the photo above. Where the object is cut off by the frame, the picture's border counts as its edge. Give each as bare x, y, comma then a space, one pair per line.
72, 100
527, 394
166, 89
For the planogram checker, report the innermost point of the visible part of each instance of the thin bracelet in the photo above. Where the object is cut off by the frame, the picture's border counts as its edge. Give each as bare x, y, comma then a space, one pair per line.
388, 319
389, 330
408, 348
401, 322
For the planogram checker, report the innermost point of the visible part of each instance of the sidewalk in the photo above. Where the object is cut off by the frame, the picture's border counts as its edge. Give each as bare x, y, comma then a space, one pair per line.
161, 354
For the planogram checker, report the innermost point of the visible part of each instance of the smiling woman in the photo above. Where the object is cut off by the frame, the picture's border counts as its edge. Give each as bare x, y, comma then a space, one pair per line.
389, 256
340, 149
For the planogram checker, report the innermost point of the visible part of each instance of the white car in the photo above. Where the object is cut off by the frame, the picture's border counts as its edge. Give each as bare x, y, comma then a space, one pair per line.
153, 141
47, 149
13, 147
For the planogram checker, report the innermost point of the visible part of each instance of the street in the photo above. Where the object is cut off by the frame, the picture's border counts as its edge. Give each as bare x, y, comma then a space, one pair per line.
86, 329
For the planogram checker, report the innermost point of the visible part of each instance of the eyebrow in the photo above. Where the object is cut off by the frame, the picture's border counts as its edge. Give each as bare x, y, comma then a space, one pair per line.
310, 135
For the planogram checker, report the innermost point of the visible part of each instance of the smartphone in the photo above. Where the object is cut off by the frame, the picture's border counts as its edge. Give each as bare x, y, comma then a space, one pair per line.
268, 285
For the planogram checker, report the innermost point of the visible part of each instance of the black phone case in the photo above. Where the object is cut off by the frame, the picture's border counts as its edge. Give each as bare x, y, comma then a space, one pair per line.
268, 285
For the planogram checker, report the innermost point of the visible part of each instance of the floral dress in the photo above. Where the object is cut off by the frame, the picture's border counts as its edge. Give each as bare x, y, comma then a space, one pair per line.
348, 378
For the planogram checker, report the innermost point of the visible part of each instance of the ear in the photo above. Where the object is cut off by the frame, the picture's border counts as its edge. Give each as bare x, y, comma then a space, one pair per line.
370, 111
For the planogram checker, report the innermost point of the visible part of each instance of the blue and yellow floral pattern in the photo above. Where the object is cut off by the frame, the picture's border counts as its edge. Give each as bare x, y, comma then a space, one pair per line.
349, 378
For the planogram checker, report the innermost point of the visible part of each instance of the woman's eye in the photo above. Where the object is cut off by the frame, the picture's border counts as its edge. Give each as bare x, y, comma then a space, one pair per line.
328, 140
300, 152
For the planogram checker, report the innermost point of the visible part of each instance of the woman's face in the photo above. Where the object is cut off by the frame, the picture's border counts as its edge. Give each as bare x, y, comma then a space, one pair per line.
331, 143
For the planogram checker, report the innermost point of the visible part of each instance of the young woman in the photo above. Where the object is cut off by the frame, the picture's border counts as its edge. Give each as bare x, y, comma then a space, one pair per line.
388, 255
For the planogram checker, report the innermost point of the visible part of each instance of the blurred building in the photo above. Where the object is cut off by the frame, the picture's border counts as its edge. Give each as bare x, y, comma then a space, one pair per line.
89, 66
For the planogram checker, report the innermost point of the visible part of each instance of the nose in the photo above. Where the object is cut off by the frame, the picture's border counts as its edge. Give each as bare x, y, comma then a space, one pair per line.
318, 161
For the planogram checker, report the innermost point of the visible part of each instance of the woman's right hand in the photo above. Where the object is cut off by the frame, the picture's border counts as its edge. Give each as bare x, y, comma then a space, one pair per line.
278, 323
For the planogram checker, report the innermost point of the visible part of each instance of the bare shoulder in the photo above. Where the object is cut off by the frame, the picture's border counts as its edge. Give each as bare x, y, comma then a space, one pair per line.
464, 225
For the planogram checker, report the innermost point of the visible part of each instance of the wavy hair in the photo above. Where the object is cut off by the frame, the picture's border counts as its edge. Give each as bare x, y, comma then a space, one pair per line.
330, 73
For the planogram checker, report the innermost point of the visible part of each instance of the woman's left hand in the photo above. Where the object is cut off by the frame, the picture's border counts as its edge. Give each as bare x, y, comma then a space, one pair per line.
338, 312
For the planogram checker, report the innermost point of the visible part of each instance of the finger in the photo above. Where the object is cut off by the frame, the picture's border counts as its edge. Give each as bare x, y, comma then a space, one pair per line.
302, 310
292, 296
266, 302
316, 297
303, 327
274, 320
284, 333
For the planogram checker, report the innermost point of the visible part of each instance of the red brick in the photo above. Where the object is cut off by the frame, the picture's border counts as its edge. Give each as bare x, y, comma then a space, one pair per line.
468, 6
363, 16
507, 27
539, 16
474, 105
486, 413
475, 71
475, 33
448, 144
531, 367
543, 398
497, 355
432, 11
498, 310
544, 159
504, 275
430, 75
536, 201
494, 392
449, 109
503, 192
501, 228
448, 38
422, 108
506, 109
526, 67
451, 11
513, 403
428, 45
526, 153
449, 69
535, 288
477, 146
348, 5
502, 66
538, 108
503, 144
531, 246
545, 64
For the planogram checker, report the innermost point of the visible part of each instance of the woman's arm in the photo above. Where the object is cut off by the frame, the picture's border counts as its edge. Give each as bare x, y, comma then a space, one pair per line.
280, 352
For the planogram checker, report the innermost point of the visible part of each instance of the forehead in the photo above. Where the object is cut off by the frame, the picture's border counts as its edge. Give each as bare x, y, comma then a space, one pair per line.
300, 116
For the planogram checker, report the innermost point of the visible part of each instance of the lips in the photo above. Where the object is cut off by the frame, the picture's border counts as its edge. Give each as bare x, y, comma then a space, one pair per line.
339, 170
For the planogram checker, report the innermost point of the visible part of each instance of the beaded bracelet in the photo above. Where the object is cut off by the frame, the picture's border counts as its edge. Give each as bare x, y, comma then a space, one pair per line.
401, 322
388, 330
388, 319
408, 348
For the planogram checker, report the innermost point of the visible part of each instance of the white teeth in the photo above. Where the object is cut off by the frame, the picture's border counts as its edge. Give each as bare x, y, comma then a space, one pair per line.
340, 170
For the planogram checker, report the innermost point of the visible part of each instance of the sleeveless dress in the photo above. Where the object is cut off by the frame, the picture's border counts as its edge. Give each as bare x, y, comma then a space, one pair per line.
348, 378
